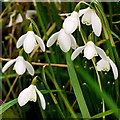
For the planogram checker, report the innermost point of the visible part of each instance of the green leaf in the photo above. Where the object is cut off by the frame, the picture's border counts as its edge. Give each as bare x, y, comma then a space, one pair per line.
76, 87
103, 114
7, 105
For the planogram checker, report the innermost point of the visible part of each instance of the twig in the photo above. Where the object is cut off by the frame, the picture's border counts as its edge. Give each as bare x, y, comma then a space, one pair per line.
39, 64
10, 89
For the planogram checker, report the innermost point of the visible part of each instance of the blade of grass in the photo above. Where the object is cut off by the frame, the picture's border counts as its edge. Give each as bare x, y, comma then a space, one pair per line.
77, 88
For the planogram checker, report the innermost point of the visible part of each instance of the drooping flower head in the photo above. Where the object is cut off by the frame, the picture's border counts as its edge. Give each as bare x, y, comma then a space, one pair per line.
91, 18
29, 94
71, 23
30, 41
20, 66
90, 50
104, 65
19, 19
65, 41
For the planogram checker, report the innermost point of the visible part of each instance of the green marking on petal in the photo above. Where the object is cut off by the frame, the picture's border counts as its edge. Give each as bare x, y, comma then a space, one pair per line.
32, 99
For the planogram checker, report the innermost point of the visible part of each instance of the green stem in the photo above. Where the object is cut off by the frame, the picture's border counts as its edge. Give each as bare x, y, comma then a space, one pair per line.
53, 97
67, 104
77, 88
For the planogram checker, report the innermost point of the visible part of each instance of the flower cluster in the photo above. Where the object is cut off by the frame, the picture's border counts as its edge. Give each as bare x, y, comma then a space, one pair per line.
66, 40
29, 41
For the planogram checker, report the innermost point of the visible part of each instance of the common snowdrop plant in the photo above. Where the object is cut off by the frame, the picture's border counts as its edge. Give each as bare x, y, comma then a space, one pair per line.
20, 66
71, 23
104, 65
90, 50
30, 41
91, 18
19, 19
65, 41
30, 94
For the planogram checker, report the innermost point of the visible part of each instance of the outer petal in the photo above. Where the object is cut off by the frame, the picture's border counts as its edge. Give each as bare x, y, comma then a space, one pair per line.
77, 52
73, 41
52, 39
114, 68
29, 68
86, 19
90, 52
103, 65
30, 13
29, 42
70, 23
24, 97
96, 24
101, 52
7, 65
64, 14
42, 99
82, 11
11, 21
19, 66
64, 41
20, 41
19, 19
40, 42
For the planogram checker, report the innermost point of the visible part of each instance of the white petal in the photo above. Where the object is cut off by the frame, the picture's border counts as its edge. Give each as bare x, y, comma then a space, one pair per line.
103, 65
29, 42
86, 19
40, 42
70, 24
24, 97
52, 39
96, 24
77, 52
114, 68
32, 94
82, 11
64, 41
19, 66
73, 41
29, 68
64, 14
90, 52
101, 52
19, 19
11, 21
42, 99
20, 41
7, 65
30, 13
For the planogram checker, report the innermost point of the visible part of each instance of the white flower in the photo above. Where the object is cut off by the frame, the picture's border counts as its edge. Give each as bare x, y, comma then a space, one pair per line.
29, 94
65, 41
19, 19
104, 65
20, 66
90, 18
29, 42
90, 50
71, 23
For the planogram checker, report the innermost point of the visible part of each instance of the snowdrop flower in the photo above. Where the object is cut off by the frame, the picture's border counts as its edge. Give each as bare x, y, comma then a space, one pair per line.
20, 66
65, 41
30, 13
90, 50
29, 94
104, 65
29, 42
71, 23
90, 18
19, 19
